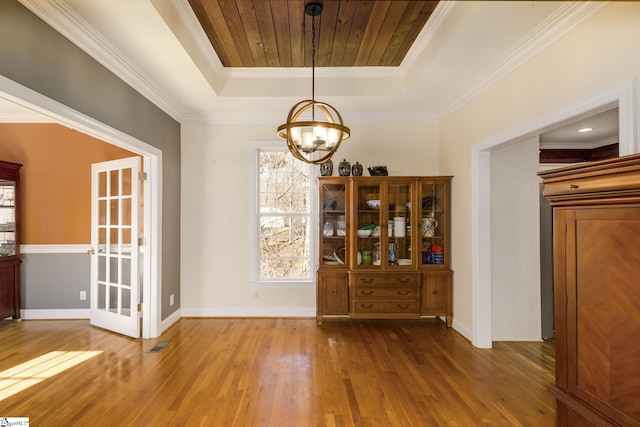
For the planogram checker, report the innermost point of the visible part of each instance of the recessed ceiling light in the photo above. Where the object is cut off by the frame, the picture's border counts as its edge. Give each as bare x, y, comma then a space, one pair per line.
585, 130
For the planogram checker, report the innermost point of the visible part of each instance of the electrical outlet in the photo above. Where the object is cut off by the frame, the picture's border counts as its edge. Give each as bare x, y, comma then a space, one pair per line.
171, 300
83, 295
256, 294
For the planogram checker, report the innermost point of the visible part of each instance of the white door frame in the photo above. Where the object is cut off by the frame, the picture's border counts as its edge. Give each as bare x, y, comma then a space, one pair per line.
623, 94
152, 160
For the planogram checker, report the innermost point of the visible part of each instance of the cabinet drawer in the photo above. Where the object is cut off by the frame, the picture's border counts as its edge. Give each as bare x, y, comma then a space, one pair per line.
406, 280
359, 292
364, 306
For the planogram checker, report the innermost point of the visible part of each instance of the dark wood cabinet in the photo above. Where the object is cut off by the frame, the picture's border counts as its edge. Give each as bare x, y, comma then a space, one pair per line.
9, 240
597, 291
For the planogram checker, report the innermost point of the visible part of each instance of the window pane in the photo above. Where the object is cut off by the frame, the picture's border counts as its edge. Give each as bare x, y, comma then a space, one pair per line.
284, 240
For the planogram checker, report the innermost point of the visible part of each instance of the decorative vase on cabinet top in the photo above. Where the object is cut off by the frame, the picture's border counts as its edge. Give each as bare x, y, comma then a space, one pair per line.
344, 168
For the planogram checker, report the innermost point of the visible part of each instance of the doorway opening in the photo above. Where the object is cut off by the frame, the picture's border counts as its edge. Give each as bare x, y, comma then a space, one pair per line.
27, 100
622, 96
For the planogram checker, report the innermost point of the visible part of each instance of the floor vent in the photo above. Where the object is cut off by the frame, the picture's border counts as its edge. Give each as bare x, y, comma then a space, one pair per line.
159, 346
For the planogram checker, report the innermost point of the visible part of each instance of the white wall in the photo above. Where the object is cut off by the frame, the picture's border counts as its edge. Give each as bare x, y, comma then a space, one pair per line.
598, 54
216, 217
515, 242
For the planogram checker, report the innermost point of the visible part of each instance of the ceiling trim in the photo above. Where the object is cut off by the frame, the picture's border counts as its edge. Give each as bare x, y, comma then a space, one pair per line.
276, 118
63, 19
563, 20
551, 145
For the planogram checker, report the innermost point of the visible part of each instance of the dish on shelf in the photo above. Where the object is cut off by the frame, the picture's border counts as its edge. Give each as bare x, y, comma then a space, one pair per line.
404, 261
340, 254
364, 233
373, 204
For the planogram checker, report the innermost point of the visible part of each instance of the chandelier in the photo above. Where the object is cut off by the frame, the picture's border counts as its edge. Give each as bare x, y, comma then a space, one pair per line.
309, 138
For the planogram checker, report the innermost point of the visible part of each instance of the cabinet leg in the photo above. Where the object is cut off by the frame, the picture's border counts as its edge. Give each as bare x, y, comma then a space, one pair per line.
318, 320
449, 321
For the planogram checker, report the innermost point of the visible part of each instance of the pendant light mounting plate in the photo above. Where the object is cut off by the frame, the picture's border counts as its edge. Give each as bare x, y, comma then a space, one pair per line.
313, 9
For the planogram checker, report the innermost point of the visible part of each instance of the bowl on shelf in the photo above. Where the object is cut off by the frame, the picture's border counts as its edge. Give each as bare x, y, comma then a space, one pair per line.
373, 204
364, 233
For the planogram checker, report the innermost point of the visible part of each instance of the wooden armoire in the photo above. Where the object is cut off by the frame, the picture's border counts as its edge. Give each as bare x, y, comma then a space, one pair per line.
597, 291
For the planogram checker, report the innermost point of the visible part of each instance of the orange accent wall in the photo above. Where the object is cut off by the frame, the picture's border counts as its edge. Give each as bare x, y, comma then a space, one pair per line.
55, 179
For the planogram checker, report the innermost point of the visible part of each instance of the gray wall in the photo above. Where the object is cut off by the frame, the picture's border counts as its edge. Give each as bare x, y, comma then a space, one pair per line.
36, 56
54, 281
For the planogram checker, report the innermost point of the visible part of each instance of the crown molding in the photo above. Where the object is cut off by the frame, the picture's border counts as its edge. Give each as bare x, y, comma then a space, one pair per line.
578, 145
60, 16
562, 21
277, 118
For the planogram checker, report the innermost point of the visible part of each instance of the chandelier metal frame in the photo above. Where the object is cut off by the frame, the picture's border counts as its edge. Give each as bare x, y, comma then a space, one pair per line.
332, 127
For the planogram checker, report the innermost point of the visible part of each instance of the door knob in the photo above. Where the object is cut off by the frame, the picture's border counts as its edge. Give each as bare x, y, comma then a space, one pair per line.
91, 251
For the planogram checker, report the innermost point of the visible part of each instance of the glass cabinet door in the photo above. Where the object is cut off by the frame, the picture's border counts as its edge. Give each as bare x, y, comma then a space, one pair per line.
433, 223
334, 202
399, 248
7, 218
368, 223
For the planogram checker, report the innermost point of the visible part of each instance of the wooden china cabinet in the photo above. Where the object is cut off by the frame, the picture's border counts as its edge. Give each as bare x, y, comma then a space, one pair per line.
9, 240
597, 291
384, 248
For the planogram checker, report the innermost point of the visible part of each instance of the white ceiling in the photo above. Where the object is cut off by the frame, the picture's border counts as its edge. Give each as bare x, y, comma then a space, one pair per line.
158, 47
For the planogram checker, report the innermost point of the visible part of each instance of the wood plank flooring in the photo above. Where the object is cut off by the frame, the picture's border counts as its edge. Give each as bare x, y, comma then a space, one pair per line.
280, 372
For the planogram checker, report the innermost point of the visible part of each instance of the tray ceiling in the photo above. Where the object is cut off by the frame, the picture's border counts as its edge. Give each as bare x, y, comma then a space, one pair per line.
277, 33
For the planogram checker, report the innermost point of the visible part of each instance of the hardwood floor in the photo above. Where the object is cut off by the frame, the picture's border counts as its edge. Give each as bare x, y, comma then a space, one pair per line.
279, 372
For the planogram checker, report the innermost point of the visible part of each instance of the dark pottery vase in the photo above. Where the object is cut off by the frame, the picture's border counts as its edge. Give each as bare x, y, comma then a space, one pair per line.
344, 168
356, 170
326, 168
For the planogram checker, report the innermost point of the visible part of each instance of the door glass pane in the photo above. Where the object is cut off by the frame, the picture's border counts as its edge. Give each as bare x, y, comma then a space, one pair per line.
114, 277
369, 225
114, 185
102, 184
400, 220
334, 242
432, 221
126, 211
102, 240
113, 299
126, 241
126, 303
114, 211
102, 212
102, 268
113, 240
126, 271
126, 182
102, 296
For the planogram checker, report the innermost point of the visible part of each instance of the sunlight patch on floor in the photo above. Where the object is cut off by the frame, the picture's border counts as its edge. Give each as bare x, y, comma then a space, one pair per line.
23, 376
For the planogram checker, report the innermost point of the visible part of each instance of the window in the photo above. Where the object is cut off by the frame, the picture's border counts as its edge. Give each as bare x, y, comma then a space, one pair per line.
282, 238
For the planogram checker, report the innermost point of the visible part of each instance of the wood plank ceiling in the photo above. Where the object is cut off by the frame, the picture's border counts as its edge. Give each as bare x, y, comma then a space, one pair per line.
277, 33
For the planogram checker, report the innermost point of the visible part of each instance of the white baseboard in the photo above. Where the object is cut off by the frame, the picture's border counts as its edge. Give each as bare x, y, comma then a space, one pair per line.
249, 312
170, 320
45, 314
462, 330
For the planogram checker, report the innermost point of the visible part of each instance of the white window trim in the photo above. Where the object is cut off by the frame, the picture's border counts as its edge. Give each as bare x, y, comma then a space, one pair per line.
254, 206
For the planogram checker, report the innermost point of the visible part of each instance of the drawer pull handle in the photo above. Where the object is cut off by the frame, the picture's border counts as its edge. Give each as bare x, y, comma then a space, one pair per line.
574, 186
404, 292
366, 293
403, 307
435, 292
335, 292
404, 279
366, 306
368, 280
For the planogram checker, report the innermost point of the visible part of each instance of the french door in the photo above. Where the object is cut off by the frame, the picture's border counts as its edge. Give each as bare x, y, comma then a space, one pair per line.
115, 191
